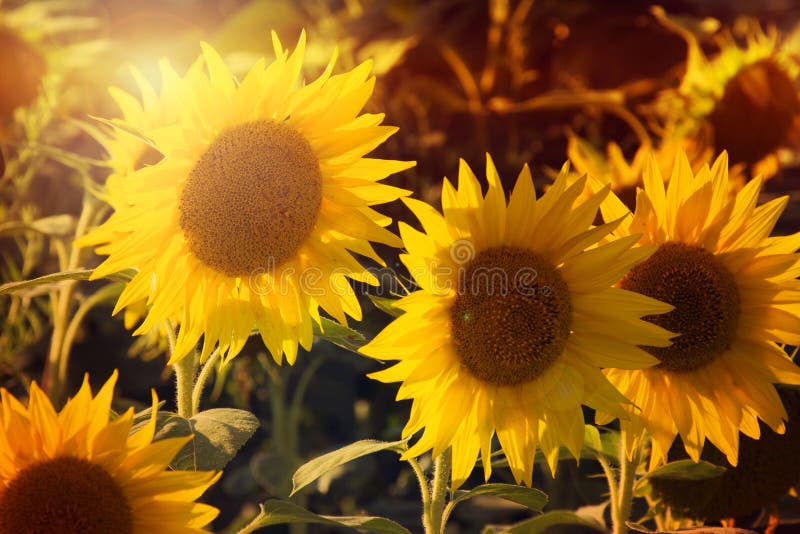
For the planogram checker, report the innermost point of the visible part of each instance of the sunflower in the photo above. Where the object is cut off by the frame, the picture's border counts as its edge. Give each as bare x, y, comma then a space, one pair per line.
127, 153
768, 467
735, 296
41, 43
77, 471
512, 322
743, 100
626, 176
249, 219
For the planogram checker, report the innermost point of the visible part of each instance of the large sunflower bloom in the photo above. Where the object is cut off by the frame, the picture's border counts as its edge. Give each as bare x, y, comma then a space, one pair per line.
735, 296
743, 100
513, 321
249, 218
77, 471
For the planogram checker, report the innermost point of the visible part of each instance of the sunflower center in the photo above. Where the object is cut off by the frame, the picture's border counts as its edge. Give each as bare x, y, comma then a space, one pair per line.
706, 302
511, 317
22, 68
64, 495
252, 198
756, 112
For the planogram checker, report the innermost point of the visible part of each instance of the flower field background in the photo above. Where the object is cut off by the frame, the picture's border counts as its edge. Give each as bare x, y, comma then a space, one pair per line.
237, 294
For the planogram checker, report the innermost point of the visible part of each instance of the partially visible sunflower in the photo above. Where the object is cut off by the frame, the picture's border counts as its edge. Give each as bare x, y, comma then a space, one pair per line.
126, 154
735, 296
41, 42
768, 467
625, 177
512, 322
743, 100
250, 218
79, 471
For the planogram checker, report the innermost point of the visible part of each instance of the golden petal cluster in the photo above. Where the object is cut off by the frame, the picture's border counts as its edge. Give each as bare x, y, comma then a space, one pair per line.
259, 194
514, 318
80, 469
735, 292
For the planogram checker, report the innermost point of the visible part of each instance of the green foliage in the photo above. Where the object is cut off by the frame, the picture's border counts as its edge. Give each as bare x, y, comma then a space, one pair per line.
277, 512
527, 497
687, 470
314, 469
339, 335
52, 279
218, 434
55, 225
542, 524
386, 305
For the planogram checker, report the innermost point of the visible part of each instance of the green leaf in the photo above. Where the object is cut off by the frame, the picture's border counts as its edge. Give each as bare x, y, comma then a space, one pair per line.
55, 225
594, 512
78, 274
604, 443
121, 125
313, 469
339, 335
169, 425
541, 523
687, 470
278, 512
142, 417
528, 497
218, 434
272, 470
386, 305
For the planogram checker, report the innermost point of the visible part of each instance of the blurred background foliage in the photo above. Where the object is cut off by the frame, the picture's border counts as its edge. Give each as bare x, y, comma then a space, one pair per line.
459, 77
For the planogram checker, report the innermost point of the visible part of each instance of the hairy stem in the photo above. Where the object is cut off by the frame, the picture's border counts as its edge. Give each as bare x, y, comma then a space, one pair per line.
627, 478
185, 370
424, 489
202, 378
441, 476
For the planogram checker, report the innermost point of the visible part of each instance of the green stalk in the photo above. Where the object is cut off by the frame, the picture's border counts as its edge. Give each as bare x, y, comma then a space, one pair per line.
627, 478
62, 300
613, 487
86, 306
296, 405
441, 476
185, 370
202, 378
424, 489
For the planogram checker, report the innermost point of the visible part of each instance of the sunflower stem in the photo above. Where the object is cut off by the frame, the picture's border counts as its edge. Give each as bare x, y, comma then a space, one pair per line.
423, 487
296, 404
55, 373
441, 476
611, 478
202, 378
73, 325
627, 478
185, 371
